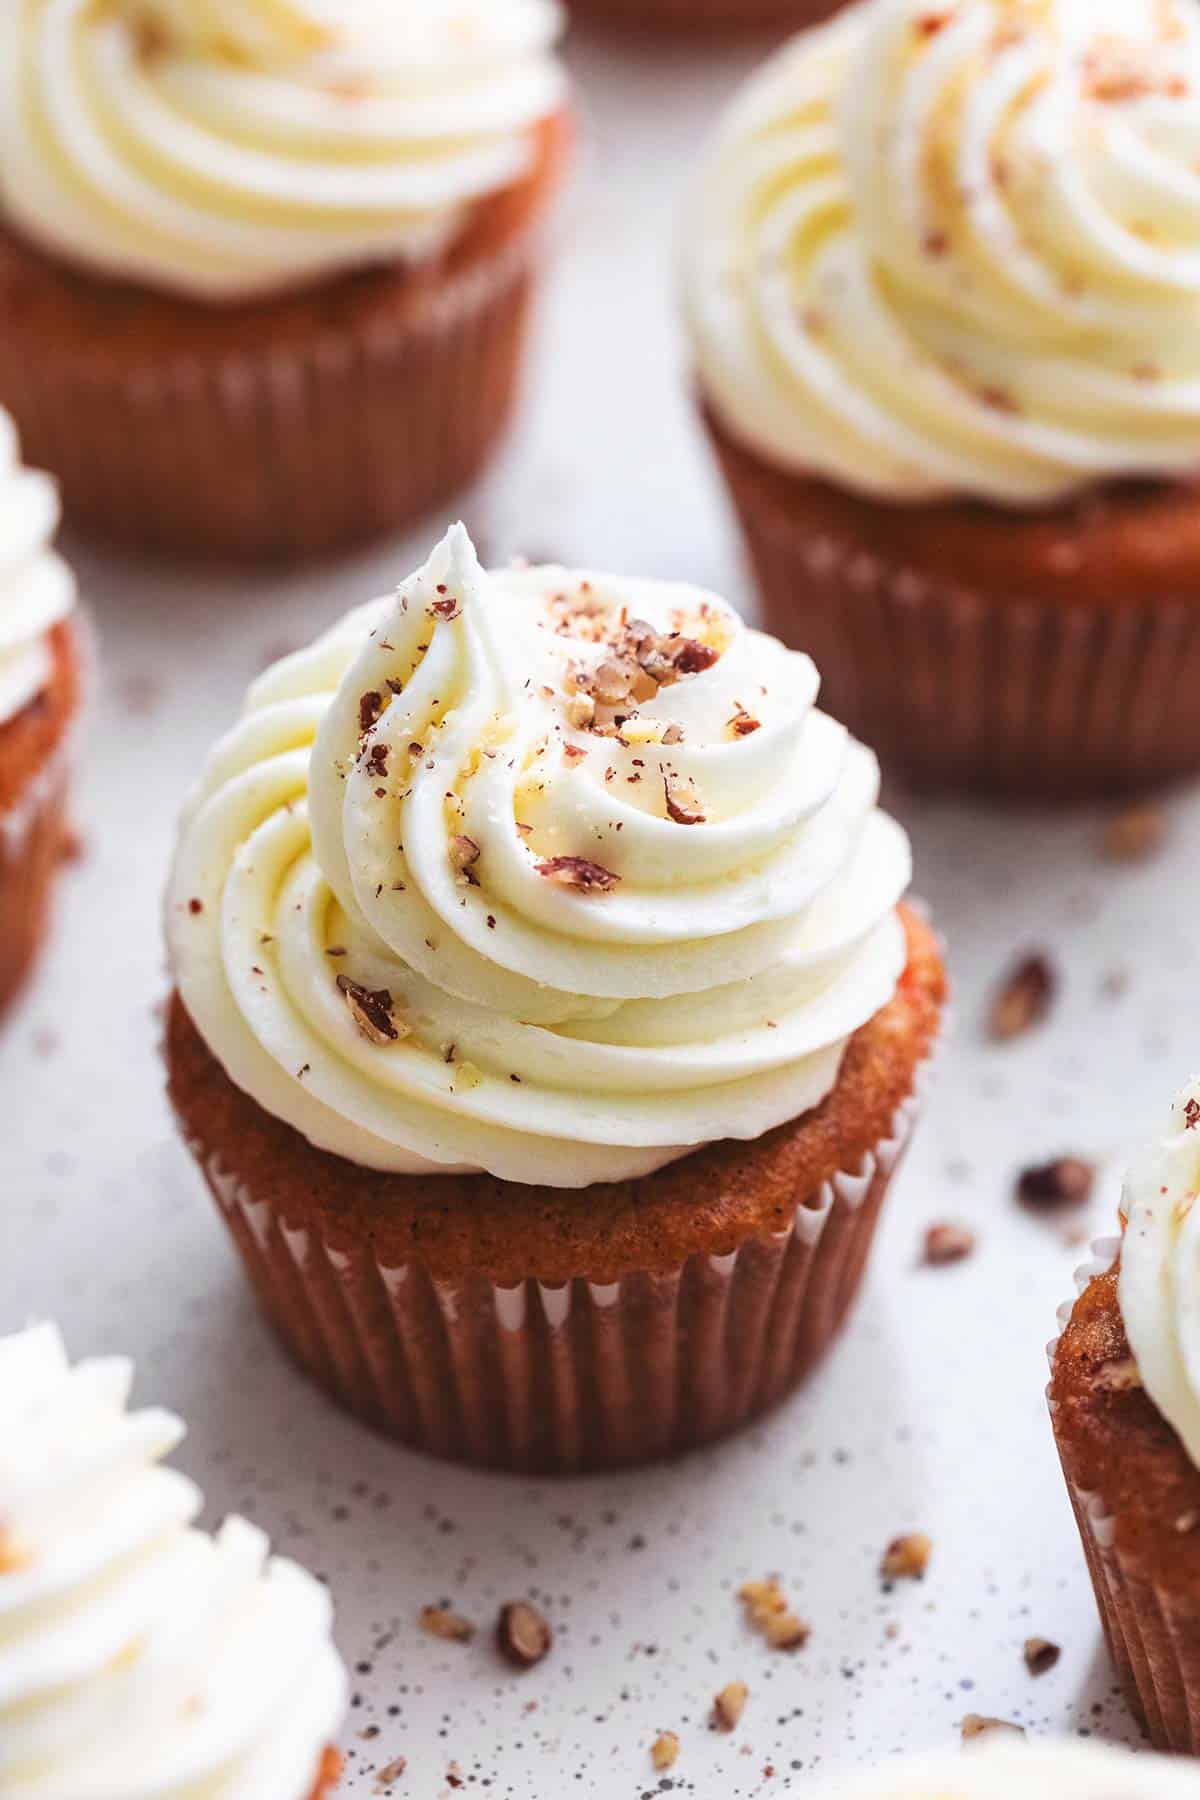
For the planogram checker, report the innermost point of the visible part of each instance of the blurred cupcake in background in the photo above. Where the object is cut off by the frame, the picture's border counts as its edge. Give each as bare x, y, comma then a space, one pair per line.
39, 699
265, 269
699, 16
1125, 1401
140, 1657
999, 1767
548, 1024
943, 286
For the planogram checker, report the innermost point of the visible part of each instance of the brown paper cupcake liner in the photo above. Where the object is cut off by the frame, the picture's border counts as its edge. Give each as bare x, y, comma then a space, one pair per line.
292, 449
1152, 1631
32, 836
708, 15
584, 1376
966, 691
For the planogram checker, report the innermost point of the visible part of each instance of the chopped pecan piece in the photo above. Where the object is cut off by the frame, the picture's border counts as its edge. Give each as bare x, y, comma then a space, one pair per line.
948, 1244
664, 1751
1040, 1655
523, 1636
372, 1010
683, 803
768, 1612
440, 1622
977, 1725
464, 854
906, 1558
370, 705
1047, 1187
578, 873
446, 609
1024, 999
728, 1706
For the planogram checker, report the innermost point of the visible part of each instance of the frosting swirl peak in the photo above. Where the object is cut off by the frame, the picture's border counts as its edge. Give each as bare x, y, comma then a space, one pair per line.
225, 149
955, 249
37, 590
553, 875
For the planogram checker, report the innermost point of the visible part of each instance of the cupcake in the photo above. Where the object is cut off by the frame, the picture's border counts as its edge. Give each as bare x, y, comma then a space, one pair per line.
140, 1658
546, 1022
944, 300
39, 698
1045, 1769
1125, 1401
265, 269
698, 16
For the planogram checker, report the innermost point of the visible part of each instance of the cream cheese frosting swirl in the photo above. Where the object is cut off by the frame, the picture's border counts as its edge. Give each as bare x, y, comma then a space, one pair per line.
37, 590
551, 875
1159, 1282
1046, 1770
228, 148
954, 249
141, 1659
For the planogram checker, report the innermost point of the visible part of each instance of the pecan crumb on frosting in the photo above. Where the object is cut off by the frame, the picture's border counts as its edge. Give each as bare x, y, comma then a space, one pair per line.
682, 801
373, 1011
370, 705
579, 873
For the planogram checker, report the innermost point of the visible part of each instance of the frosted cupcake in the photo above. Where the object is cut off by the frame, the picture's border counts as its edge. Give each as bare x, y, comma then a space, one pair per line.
1042, 1770
1125, 1399
140, 1657
265, 269
944, 300
547, 1023
39, 699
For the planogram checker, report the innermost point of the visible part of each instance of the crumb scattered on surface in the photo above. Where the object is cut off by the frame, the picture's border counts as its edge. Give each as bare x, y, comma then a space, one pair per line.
523, 1635
907, 1558
1024, 997
664, 1751
1048, 1187
767, 1612
947, 1243
1040, 1655
728, 1706
440, 1622
977, 1726
1135, 835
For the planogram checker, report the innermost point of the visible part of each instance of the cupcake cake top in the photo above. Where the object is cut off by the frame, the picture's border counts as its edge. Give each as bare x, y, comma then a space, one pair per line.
141, 1659
37, 590
1036, 1770
1157, 1287
228, 148
552, 875
954, 249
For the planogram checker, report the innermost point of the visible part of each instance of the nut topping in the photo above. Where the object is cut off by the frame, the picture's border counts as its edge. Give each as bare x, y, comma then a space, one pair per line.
372, 1010
977, 1725
683, 803
1047, 1187
578, 873
1040, 1655
767, 1612
947, 1244
665, 1750
523, 1637
906, 1558
1024, 999
728, 1706
440, 1622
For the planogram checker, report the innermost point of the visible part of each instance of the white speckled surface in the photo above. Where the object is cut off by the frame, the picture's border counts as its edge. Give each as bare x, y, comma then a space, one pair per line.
931, 1412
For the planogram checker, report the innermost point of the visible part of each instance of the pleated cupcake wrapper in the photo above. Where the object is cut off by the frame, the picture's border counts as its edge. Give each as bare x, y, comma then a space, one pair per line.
1153, 1631
31, 846
288, 450
963, 690
586, 1375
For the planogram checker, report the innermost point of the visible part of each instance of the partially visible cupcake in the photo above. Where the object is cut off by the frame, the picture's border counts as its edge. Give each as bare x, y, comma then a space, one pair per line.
944, 297
39, 699
547, 1023
1125, 1400
140, 1657
265, 269
698, 16
1039, 1769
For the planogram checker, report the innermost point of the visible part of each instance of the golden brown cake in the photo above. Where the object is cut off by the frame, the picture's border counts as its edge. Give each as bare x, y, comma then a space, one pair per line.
291, 315
549, 1066
1127, 1424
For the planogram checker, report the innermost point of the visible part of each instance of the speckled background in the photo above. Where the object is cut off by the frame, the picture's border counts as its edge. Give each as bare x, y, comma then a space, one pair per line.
931, 1413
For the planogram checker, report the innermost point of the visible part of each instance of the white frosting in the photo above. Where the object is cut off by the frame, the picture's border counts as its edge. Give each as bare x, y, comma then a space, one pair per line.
37, 590
141, 1659
227, 148
954, 249
1034, 1769
547, 1035
1159, 1282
